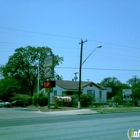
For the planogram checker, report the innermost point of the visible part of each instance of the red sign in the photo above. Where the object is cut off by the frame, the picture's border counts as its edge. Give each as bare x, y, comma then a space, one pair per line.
46, 84
49, 84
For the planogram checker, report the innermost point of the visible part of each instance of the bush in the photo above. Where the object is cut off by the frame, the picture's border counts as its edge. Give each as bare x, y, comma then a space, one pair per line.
118, 99
128, 103
62, 101
41, 99
74, 100
25, 98
86, 100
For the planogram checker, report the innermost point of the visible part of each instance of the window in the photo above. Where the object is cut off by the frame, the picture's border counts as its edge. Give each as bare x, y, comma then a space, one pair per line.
91, 92
55, 92
100, 94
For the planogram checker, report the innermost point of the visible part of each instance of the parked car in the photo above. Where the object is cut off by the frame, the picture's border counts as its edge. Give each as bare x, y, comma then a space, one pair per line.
18, 103
5, 104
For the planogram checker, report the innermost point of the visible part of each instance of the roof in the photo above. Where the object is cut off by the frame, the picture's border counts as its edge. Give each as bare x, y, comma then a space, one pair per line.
74, 85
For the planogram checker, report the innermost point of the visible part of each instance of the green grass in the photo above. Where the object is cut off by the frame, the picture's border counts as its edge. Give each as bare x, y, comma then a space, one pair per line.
119, 109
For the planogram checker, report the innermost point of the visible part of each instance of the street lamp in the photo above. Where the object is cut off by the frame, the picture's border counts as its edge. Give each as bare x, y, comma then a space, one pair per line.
80, 69
91, 54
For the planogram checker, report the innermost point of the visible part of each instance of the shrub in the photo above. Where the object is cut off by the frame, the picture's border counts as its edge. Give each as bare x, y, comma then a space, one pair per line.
41, 99
86, 100
62, 101
25, 98
128, 103
118, 99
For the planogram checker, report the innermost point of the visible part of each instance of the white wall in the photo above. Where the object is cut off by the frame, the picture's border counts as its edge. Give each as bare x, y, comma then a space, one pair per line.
59, 92
97, 93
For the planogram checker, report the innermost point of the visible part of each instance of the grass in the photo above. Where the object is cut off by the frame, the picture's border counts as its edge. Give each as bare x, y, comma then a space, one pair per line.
119, 109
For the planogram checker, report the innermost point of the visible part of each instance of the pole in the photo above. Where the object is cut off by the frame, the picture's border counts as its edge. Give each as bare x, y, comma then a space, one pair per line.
49, 98
80, 72
38, 81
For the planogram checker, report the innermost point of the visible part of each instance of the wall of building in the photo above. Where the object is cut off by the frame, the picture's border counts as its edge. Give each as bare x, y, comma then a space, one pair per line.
98, 94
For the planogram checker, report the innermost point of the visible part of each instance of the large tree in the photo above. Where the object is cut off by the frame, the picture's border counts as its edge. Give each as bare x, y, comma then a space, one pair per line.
116, 86
135, 84
23, 65
114, 83
8, 87
133, 81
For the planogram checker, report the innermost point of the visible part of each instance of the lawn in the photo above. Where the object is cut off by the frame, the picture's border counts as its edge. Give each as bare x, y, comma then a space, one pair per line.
119, 109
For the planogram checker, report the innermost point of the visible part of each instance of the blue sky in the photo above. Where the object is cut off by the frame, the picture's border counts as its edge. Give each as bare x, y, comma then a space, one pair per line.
61, 24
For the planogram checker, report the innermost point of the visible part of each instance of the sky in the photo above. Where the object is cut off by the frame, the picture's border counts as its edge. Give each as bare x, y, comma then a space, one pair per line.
61, 24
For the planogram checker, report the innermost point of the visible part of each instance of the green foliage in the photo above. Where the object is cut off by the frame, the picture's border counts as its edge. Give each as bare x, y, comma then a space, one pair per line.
118, 99
74, 100
116, 86
133, 81
8, 88
114, 83
128, 103
41, 99
136, 91
22, 66
25, 98
110, 81
86, 100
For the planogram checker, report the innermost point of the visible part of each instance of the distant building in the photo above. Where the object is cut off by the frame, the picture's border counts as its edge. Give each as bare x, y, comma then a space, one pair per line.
127, 94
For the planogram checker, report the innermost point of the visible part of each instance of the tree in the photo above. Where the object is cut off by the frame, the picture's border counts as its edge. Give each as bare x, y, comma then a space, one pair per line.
8, 87
135, 85
110, 81
114, 83
23, 65
133, 81
136, 91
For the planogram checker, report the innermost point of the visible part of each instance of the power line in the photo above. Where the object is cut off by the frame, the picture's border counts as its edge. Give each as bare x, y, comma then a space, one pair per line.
41, 33
38, 33
99, 69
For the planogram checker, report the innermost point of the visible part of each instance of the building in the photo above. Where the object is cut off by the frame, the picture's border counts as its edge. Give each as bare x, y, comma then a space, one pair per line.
69, 88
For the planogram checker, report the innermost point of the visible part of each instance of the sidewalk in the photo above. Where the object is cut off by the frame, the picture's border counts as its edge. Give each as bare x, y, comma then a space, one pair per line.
70, 112
61, 110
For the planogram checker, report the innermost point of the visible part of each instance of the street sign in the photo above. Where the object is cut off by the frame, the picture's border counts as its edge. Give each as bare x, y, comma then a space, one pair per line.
48, 61
47, 90
49, 67
127, 94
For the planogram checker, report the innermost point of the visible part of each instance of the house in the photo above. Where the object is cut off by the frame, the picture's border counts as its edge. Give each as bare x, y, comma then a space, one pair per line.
69, 88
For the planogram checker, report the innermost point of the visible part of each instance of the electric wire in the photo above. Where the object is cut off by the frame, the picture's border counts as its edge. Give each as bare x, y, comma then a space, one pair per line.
99, 69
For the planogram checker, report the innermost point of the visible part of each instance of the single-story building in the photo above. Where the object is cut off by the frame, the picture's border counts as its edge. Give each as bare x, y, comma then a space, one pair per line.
69, 88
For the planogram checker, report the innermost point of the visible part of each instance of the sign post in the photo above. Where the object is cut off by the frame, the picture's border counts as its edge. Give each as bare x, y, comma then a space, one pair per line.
49, 74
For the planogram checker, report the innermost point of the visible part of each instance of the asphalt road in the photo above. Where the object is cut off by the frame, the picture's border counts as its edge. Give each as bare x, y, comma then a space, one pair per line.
19, 124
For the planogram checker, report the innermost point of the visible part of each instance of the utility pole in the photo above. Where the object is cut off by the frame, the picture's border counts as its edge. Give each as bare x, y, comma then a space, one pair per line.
80, 71
38, 79
88, 80
75, 78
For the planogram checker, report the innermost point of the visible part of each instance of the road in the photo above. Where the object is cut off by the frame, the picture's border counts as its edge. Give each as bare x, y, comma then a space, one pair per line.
19, 124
